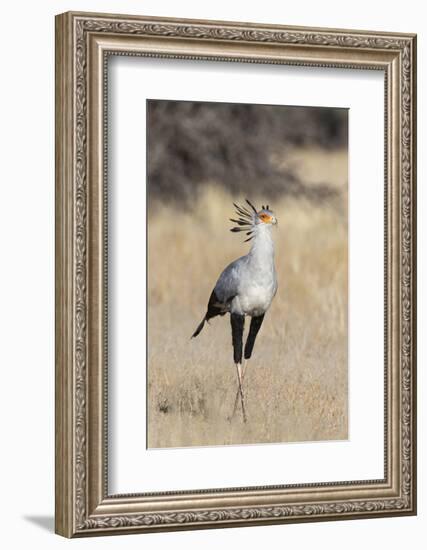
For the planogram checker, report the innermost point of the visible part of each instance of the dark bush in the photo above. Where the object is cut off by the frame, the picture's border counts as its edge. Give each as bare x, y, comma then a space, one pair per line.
191, 144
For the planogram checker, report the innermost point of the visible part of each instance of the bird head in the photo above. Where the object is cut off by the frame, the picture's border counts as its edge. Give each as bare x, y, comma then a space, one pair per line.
266, 216
248, 219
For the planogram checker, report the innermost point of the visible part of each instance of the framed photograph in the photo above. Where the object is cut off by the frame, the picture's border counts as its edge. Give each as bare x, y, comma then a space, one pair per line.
235, 274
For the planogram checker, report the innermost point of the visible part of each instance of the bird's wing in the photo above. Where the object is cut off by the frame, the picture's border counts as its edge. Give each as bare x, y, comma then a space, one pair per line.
227, 285
226, 288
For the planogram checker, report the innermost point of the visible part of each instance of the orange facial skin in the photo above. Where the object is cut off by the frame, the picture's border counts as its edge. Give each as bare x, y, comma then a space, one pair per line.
265, 218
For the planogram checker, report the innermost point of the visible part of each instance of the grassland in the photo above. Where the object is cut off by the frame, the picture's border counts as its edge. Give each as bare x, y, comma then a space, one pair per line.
296, 383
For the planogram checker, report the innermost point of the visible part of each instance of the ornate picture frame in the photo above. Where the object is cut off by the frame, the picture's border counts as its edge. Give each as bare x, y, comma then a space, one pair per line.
84, 42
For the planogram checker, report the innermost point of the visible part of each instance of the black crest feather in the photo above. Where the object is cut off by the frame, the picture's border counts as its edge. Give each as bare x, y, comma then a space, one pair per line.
252, 206
244, 220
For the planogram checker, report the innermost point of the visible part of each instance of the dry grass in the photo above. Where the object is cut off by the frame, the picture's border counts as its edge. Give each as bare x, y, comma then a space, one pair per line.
296, 384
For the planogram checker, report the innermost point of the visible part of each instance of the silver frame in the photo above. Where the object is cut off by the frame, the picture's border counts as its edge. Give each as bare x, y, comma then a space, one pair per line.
83, 43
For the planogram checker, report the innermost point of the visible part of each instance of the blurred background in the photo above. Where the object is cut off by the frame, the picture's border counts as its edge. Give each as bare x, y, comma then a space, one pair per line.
243, 148
202, 157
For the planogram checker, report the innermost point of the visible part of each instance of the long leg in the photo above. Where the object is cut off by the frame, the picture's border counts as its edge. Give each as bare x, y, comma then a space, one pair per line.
237, 326
236, 400
256, 323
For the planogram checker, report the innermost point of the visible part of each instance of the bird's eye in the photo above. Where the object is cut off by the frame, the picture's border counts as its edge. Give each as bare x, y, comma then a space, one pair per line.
264, 217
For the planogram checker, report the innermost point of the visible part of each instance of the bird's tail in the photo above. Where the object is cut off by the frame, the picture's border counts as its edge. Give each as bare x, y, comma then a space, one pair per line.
199, 328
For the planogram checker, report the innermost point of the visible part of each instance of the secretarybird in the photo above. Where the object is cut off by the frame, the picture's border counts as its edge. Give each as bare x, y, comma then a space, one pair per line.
246, 287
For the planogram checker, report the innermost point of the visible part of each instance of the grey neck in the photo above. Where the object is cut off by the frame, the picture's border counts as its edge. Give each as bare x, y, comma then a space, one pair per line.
262, 249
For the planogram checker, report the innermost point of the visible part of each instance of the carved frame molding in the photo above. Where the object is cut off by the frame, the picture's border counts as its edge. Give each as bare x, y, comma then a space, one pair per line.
83, 43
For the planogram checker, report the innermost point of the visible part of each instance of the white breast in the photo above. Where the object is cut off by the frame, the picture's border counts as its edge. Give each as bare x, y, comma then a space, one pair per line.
253, 276
256, 293
257, 301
